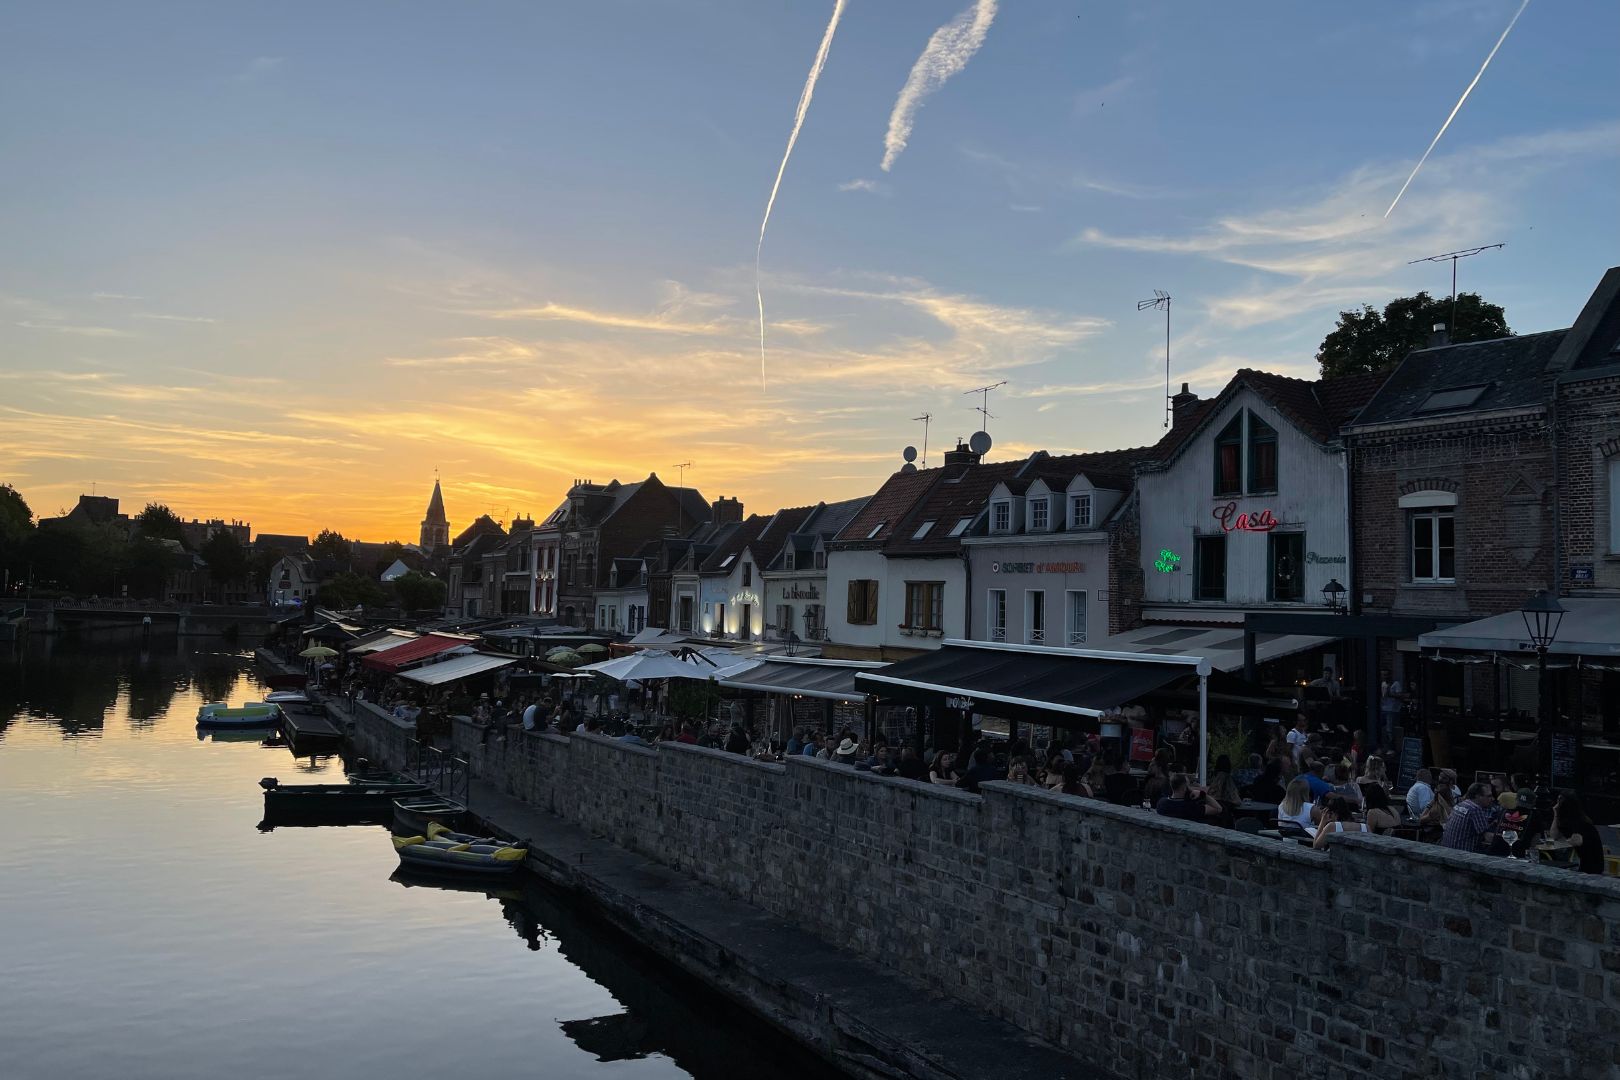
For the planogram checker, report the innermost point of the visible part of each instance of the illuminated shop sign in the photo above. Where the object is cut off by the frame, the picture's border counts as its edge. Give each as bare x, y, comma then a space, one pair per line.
1168, 561
1037, 568
1260, 521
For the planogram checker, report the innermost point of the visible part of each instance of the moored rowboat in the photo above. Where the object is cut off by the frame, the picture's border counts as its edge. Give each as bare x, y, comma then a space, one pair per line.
419, 813
255, 714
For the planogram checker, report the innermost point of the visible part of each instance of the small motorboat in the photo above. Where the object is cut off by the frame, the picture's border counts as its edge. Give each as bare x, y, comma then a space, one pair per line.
461, 859
255, 714
295, 701
419, 813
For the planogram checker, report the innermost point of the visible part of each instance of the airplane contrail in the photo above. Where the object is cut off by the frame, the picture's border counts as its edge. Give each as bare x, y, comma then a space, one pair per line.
947, 52
1456, 108
798, 121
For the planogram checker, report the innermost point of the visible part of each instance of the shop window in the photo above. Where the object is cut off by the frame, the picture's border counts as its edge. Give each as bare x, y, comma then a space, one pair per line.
1035, 617
1077, 617
996, 614
1209, 568
863, 602
1229, 458
925, 603
1434, 547
1285, 566
1262, 456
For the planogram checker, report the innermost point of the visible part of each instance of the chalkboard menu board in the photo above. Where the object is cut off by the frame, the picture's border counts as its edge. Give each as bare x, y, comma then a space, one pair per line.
1563, 759
1411, 762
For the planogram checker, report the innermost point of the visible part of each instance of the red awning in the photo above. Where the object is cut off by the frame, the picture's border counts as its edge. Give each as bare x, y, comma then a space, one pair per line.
414, 652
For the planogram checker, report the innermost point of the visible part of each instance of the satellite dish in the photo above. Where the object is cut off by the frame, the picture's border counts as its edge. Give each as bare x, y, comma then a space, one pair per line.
909, 453
980, 442
908, 467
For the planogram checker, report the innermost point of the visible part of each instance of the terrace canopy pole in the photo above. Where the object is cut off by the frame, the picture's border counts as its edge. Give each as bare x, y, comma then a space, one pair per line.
1203, 722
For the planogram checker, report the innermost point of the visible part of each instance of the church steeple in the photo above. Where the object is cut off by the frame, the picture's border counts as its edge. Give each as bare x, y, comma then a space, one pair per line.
435, 527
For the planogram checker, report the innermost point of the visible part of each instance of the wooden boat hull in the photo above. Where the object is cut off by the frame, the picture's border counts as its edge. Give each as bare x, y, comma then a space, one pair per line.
336, 802
416, 815
259, 715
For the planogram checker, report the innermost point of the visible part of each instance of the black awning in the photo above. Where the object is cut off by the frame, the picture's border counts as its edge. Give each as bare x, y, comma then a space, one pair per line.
1029, 682
828, 680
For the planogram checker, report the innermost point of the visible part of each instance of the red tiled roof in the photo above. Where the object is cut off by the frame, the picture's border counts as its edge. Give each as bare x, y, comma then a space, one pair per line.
892, 502
1320, 408
960, 492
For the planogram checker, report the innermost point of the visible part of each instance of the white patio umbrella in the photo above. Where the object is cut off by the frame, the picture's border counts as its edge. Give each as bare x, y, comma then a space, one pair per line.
653, 665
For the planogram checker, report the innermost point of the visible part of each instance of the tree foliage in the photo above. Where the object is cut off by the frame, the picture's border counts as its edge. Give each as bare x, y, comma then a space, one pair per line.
1369, 340
349, 590
333, 545
158, 522
16, 526
419, 592
227, 559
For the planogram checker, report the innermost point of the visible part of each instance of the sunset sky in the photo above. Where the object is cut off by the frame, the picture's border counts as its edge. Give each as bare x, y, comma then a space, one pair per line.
280, 262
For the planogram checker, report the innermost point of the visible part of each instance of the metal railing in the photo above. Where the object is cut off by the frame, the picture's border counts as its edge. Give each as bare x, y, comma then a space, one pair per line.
1037, 637
998, 633
442, 771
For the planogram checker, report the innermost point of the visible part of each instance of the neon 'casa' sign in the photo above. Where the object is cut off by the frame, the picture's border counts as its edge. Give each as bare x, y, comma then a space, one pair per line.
1260, 521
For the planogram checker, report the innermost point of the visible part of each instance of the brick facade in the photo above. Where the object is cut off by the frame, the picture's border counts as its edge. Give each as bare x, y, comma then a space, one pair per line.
1588, 425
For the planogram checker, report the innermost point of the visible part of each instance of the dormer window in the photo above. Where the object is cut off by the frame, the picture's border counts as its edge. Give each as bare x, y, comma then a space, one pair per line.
1001, 517
787, 560
821, 560
1246, 457
1039, 515
1079, 511
748, 574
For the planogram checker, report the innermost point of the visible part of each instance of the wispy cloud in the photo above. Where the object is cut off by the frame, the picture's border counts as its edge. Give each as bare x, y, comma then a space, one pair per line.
258, 68
862, 185
1335, 248
114, 296
156, 316
554, 312
81, 331
947, 52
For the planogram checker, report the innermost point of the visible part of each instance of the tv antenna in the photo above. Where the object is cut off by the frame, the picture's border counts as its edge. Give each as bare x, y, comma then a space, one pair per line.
983, 409
1454, 256
1161, 299
680, 503
925, 418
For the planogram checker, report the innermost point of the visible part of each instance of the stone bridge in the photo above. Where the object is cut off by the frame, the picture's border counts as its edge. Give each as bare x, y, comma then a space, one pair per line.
51, 616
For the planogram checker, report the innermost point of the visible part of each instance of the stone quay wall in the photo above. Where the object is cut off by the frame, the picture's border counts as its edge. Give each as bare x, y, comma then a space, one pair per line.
1153, 947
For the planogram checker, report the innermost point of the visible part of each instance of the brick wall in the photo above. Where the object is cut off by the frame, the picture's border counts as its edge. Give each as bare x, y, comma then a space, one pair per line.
1125, 584
1152, 947
1588, 422
1502, 475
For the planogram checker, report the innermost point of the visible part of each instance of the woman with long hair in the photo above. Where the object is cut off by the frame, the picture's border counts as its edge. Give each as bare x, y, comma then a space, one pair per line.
1296, 805
1570, 822
1338, 816
943, 770
1381, 815
1375, 773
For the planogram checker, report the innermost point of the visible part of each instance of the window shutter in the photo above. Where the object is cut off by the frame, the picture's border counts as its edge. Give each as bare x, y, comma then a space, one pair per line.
857, 594
871, 600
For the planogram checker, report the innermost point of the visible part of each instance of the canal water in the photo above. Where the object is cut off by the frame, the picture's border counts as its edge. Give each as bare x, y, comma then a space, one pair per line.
148, 928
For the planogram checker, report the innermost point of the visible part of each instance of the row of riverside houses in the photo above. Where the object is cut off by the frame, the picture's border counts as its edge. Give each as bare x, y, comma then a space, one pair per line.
1449, 489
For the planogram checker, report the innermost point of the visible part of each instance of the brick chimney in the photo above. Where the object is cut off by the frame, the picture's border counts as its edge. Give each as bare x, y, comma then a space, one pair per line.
1181, 407
1438, 336
726, 510
961, 455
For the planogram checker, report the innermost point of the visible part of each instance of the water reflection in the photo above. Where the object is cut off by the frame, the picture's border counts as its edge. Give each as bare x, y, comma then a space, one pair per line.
298, 950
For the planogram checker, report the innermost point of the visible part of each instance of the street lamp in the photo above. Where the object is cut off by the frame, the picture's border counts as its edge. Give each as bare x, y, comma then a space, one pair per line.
1542, 616
1333, 595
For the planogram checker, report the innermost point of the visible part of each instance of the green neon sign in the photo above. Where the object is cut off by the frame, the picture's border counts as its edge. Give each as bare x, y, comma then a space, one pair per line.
1168, 562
